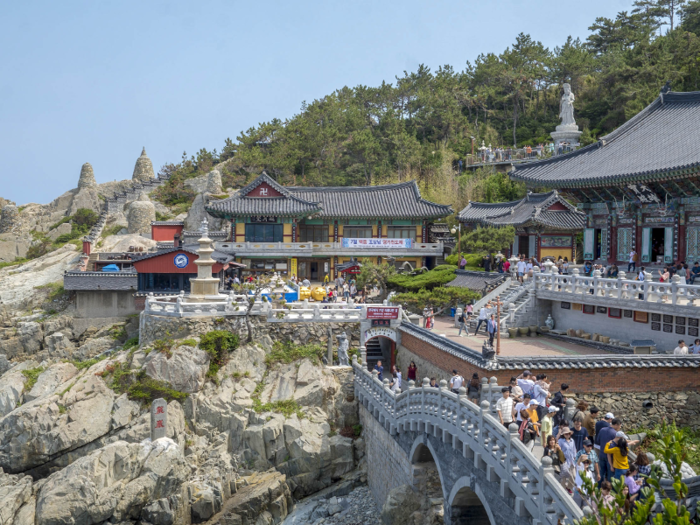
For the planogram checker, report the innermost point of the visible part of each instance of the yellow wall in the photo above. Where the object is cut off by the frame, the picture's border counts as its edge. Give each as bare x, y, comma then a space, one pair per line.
374, 230
419, 234
287, 231
340, 231
555, 252
240, 231
330, 232
385, 230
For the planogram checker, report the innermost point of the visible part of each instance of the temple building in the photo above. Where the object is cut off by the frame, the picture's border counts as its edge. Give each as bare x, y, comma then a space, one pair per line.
639, 186
545, 223
309, 232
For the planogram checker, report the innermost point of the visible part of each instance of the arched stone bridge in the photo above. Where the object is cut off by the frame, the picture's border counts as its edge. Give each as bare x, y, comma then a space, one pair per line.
487, 475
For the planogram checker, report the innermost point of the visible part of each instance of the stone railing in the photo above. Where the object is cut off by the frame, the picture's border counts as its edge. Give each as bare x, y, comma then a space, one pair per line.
176, 306
482, 439
316, 314
323, 248
626, 293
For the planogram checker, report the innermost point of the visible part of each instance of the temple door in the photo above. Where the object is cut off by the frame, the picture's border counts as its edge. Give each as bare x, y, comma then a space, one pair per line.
646, 245
604, 244
668, 245
532, 248
516, 246
588, 244
692, 245
624, 244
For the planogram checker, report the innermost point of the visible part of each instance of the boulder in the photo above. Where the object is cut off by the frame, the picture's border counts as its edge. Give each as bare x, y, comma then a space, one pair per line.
185, 370
160, 512
15, 494
59, 230
342, 454
30, 335
11, 388
197, 213
41, 429
50, 379
113, 483
265, 497
401, 502
59, 345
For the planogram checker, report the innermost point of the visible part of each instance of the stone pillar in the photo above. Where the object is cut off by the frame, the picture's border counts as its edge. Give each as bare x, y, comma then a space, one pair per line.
159, 419
330, 347
87, 177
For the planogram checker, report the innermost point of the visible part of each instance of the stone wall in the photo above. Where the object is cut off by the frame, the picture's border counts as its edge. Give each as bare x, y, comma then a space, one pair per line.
388, 464
156, 327
111, 303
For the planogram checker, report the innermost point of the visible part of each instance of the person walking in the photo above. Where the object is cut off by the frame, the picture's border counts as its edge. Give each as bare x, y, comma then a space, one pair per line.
632, 265
491, 329
483, 318
396, 383
515, 391
606, 435
579, 435
568, 448
462, 321
546, 424
617, 448
456, 382
521, 269
590, 420
473, 388
504, 407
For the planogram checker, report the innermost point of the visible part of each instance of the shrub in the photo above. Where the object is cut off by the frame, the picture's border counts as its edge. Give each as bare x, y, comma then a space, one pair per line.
218, 344
82, 365
164, 345
424, 281
188, 342
130, 343
32, 374
112, 230
286, 352
138, 386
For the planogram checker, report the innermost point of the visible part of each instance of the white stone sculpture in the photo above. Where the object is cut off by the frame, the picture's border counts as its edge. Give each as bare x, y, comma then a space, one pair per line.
343, 346
566, 110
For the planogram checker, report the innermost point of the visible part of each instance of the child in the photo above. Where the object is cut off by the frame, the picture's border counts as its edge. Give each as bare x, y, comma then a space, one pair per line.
547, 424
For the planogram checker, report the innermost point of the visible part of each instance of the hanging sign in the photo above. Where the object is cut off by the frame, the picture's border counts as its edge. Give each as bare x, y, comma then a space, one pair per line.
377, 243
376, 312
265, 219
181, 260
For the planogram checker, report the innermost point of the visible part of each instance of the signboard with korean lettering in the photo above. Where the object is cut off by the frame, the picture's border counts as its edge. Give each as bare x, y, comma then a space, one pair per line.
381, 322
263, 219
293, 267
379, 331
159, 418
377, 243
375, 312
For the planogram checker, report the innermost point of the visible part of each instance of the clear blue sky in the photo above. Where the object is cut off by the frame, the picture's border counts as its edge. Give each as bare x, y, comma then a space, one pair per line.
94, 81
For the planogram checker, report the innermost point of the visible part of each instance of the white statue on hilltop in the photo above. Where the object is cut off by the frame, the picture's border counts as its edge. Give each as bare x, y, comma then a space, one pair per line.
566, 109
343, 346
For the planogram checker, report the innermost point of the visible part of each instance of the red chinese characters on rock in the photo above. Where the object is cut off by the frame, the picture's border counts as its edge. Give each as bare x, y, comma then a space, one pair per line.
160, 410
159, 423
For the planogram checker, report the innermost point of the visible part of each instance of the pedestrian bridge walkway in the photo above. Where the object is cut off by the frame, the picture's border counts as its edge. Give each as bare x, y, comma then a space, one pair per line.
487, 474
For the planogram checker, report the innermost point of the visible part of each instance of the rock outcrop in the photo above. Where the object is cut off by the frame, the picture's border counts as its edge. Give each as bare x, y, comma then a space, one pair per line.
9, 218
140, 214
87, 177
143, 170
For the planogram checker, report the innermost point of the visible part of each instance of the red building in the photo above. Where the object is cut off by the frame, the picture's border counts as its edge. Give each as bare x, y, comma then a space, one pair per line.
166, 230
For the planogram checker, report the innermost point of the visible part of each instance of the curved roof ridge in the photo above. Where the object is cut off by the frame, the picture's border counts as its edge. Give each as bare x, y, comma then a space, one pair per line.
378, 187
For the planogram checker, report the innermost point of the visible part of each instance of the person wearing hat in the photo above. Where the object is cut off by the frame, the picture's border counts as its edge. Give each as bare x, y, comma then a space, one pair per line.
568, 448
504, 407
546, 423
583, 466
589, 451
605, 422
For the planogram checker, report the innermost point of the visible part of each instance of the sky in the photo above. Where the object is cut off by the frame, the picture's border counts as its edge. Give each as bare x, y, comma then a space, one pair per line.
95, 81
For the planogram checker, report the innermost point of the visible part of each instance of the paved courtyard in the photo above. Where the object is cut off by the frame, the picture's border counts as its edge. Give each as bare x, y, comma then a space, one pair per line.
521, 346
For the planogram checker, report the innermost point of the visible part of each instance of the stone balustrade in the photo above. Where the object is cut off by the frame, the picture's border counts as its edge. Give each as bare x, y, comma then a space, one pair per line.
480, 438
631, 294
175, 306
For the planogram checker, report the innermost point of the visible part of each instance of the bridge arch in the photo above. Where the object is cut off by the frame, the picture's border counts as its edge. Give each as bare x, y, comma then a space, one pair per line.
467, 504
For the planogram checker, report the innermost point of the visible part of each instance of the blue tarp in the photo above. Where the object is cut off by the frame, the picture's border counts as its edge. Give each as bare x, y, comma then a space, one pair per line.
110, 268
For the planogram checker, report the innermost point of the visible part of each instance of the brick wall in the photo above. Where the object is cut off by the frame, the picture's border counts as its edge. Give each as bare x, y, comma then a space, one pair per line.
390, 468
580, 381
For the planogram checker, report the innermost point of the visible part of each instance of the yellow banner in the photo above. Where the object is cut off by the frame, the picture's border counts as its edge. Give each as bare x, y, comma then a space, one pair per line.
293, 268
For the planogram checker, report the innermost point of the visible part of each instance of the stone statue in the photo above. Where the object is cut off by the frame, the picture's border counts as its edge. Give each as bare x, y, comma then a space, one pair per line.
566, 109
343, 346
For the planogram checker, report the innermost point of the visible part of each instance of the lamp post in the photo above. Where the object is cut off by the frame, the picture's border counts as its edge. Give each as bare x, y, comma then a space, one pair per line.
458, 231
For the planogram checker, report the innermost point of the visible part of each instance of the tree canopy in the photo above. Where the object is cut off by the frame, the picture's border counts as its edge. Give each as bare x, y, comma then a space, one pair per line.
421, 124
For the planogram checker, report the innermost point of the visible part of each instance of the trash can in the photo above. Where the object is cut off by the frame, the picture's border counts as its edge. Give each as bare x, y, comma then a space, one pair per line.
452, 312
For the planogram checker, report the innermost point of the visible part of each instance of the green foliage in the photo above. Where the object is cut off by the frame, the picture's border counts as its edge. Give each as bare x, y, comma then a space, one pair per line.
438, 276
188, 342
487, 240
32, 374
286, 352
671, 446
372, 274
18, 260
218, 344
162, 216
87, 363
132, 342
81, 223
164, 346
440, 298
61, 409
118, 332
655, 442
85, 218
473, 260
113, 230
56, 290
138, 386
287, 407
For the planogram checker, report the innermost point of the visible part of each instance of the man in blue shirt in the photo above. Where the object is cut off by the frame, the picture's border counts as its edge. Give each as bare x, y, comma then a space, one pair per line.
602, 438
605, 422
379, 368
491, 328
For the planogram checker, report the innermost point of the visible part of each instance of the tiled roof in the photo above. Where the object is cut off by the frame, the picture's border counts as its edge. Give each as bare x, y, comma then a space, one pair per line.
219, 257
167, 223
531, 209
392, 201
479, 281
660, 141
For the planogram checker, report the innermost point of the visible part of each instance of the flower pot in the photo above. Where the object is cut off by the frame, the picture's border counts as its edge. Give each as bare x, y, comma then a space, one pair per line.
585, 336
533, 331
523, 330
512, 333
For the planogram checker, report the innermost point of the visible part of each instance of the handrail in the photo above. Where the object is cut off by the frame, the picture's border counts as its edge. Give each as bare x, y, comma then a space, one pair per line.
492, 447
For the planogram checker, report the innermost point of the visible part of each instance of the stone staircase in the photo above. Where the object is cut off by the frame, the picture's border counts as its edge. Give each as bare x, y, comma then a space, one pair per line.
374, 352
516, 294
